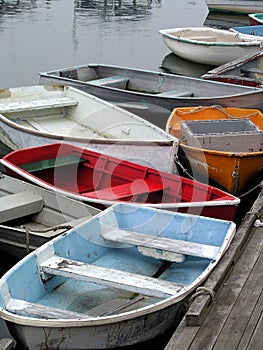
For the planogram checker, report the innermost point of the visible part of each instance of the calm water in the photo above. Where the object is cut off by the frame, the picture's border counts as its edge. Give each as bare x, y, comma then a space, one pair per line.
41, 35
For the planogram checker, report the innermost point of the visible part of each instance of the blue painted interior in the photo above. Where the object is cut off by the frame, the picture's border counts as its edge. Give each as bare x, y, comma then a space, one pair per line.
86, 244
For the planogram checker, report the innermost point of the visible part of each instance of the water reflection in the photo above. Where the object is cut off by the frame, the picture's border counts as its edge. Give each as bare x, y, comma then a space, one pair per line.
112, 9
172, 63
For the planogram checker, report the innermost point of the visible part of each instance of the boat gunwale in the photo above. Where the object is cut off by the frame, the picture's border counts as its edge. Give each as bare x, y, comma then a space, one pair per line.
219, 202
92, 321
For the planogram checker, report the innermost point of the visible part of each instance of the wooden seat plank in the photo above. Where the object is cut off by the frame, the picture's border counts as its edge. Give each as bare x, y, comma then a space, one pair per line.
26, 308
163, 243
133, 188
117, 81
20, 106
20, 204
52, 163
176, 93
119, 279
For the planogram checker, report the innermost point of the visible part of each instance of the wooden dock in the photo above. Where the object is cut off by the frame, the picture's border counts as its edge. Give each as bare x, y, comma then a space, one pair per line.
226, 313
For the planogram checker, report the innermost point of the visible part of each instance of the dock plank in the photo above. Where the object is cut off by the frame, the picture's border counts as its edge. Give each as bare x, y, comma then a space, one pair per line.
232, 279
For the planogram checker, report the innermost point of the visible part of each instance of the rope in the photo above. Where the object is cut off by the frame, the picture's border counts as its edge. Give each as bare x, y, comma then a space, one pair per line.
218, 107
252, 189
53, 228
201, 291
184, 170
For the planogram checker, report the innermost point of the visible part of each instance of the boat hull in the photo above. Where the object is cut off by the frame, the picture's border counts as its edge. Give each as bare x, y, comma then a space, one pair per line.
245, 71
144, 97
102, 180
234, 173
91, 319
256, 18
58, 215
90, 122
109, 336
208, 46
235, 6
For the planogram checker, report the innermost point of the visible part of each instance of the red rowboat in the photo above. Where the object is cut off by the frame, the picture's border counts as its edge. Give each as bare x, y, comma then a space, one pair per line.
103, 180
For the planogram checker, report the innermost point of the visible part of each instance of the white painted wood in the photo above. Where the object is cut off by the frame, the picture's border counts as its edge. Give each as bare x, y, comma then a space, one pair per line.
163, 243
19, 106
26, 308
107, 276
20, 204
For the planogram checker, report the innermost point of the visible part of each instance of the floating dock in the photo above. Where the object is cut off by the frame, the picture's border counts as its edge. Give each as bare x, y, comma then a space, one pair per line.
226, 312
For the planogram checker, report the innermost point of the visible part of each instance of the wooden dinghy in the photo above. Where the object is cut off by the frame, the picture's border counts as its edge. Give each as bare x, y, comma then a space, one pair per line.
35, 115
119, 279
102, 180
246, 71
228, 145
208, 45
152, 95
31, 215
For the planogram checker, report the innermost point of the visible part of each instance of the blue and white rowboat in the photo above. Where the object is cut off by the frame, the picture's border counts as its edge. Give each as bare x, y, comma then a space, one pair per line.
116, 280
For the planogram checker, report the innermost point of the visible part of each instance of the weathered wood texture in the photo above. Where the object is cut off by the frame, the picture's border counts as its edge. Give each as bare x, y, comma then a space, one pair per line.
167, 244
7, 344
234, 320
110, 277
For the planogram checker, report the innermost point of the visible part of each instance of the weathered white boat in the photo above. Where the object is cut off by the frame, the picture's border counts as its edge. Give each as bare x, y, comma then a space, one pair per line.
116, 280
35, 115
246, 71
236, 6
31, 215
208, 45
152, 95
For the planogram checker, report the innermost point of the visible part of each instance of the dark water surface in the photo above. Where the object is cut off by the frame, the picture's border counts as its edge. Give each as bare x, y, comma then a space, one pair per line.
42, 35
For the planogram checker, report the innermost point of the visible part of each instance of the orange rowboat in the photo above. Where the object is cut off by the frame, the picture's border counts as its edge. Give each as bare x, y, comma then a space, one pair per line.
222, 144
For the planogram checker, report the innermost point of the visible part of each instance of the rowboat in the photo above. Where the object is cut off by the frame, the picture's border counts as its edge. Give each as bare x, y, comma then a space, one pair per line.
246, 71
30, 215
35, 115
210, 46
152, 95
116, 280
235, 6
256, 30
256, 18
102, 180
226, 144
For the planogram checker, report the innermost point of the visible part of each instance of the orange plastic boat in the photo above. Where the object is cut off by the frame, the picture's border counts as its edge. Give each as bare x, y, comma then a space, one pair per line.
226, 144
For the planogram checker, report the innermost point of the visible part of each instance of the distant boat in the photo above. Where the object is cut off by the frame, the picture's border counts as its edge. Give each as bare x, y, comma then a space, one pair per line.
246, 71
152, 95
119, 279
256, 30
235, 6
35, 115
102, 180
31, 215
256, 18
209, 46
224, 144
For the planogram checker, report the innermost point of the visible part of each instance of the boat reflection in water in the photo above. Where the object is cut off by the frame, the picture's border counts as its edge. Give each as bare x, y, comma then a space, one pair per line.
174, 64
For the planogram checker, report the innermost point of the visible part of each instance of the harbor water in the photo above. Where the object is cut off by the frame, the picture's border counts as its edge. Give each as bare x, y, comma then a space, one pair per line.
43, 35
